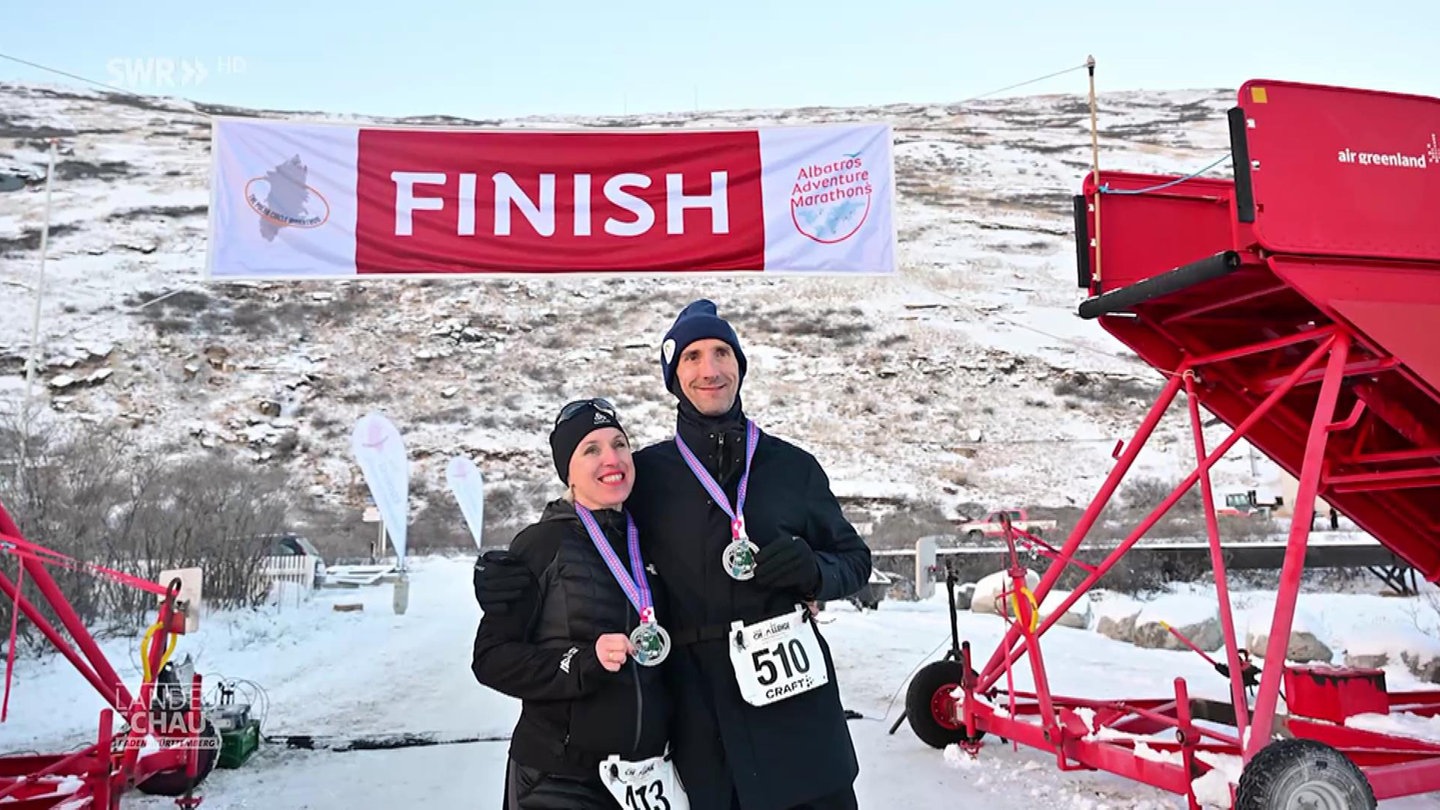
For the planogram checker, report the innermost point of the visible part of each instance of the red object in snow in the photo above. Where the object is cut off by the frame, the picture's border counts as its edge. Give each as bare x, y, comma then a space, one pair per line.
1297, 303
154, 755
1335, 694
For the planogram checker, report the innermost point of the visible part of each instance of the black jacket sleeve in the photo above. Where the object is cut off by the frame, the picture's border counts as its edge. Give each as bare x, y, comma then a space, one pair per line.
842, 554
515, 667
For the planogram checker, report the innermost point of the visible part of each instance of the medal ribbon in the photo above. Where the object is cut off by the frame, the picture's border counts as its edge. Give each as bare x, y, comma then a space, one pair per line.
637, 589
737, 516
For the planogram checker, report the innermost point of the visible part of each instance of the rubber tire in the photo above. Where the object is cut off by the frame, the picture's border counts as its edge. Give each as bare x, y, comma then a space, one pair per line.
975, 536
933, 677
175, 782
1284, 768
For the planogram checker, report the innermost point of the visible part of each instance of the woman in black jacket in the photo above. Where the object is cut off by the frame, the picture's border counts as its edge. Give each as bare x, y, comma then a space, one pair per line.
578, 639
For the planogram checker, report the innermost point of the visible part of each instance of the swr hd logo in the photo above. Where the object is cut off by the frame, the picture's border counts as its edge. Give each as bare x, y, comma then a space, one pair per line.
163, 72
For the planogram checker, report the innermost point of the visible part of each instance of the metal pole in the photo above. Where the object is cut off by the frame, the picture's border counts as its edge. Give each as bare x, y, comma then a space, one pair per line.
1267, 696
34, 359
1095, 162
1217, 563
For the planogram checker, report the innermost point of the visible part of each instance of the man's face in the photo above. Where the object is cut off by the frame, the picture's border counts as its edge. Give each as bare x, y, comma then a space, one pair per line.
709, 375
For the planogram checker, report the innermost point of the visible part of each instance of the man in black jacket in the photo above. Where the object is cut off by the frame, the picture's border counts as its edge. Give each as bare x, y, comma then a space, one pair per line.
758, 720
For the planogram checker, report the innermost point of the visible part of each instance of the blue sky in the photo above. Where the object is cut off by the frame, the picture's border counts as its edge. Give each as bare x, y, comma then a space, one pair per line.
488, 59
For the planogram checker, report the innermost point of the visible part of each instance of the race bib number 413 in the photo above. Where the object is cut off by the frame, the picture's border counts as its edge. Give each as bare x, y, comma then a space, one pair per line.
777, 658
648, 785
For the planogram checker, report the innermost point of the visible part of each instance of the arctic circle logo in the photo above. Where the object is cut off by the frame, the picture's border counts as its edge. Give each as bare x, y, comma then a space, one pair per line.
282, 198
261, 194
830, 201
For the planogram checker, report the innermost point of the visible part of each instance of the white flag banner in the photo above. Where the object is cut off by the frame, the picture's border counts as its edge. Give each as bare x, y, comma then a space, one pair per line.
381, 453
469, 488
305, 200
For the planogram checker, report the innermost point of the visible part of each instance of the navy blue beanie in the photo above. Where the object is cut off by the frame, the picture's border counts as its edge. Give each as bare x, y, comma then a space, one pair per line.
696, 321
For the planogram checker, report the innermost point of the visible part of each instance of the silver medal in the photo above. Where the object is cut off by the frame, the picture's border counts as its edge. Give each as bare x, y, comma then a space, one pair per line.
652, 644
739, 558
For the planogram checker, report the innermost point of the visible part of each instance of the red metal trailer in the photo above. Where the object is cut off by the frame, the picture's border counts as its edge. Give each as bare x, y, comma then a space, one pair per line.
166, 748
1300, 304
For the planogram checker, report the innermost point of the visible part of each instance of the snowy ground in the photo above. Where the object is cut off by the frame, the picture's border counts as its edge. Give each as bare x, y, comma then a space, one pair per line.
333, 673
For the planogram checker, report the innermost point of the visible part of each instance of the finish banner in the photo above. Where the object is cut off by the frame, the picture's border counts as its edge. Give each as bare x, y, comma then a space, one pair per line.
294, 200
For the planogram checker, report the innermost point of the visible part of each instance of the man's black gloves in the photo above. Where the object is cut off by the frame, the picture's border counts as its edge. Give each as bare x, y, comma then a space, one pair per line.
506, 590
788, 563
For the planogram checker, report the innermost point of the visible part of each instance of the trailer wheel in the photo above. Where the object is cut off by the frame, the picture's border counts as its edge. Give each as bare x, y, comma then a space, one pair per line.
930, 709
1298, 773
175, 782
974, 536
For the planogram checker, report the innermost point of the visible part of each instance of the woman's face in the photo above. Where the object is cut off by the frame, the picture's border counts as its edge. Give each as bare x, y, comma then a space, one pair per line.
602, 472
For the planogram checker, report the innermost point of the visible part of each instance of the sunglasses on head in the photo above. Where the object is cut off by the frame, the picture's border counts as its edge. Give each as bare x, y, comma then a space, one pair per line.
572, 408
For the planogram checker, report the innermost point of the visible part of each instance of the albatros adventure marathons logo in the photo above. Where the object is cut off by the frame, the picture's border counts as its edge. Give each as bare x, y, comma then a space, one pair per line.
830, 201
283, 200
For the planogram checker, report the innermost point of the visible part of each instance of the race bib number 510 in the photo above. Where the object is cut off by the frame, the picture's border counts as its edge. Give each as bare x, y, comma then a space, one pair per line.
777, 658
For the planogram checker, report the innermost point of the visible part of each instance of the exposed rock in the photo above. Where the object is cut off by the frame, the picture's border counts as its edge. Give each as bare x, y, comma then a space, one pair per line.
992, 589
1426, 669
964, 595
62, 381
1304, 647
1375, 661
1121, 629
989, 590
217, 356
1078, 616
1152, 635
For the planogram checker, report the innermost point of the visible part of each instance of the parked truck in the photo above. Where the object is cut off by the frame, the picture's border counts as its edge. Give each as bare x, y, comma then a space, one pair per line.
990, 528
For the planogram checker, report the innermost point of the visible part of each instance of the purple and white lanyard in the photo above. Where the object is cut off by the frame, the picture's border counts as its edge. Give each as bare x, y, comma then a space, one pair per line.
737, 515
637, 593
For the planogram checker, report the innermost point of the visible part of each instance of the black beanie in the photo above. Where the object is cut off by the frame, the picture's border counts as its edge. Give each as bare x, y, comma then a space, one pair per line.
571, 432
696, 321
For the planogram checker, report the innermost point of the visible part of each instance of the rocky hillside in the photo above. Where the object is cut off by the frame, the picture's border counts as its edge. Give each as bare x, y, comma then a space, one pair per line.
964, 378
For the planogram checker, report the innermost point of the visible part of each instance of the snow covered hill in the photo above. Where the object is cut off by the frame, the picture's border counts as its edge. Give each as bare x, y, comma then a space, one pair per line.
966, 377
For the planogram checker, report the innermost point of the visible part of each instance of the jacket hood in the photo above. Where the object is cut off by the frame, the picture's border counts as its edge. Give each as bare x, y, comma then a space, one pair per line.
562, 510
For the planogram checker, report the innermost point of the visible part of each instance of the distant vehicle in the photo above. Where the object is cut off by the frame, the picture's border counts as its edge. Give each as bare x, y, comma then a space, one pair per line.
294, 545
1258, 503
990, 528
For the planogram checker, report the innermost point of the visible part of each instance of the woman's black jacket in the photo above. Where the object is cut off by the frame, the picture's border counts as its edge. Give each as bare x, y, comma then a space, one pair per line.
574, 713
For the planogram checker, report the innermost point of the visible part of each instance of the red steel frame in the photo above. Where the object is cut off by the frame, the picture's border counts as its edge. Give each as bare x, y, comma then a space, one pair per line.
109, 767
1288, 350
1042, 719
